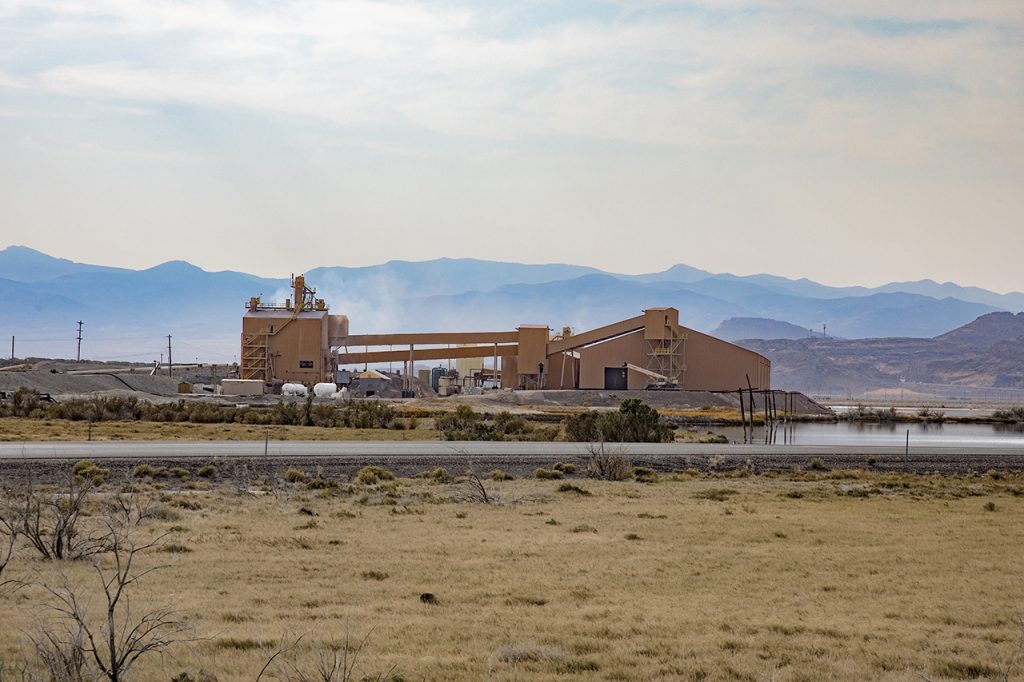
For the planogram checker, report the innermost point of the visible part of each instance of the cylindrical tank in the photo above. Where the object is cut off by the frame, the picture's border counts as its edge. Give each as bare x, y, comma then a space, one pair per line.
325, 390
294, 390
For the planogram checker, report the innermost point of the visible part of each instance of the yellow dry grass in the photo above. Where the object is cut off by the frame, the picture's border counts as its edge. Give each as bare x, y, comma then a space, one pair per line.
707, 413
698, 578
22, 429
19, 429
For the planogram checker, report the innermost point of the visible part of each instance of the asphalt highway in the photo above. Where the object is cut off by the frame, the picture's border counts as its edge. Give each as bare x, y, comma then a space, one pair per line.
367, 450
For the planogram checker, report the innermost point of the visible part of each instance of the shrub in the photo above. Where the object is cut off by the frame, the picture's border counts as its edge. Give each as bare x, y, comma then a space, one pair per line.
546, 474
175, 548
437, 474
374, 575
582, 428
644, 475
1013, 414
368, 414
564, 467
990, 506
817, 464
716, 494
235, 644
179, 472
326, 415
606, 465
583, 528
373, 475
295, 476
499, 475
207, 471
464, 424
634, 422
570, 488
185, 503
632, 536
82, 467
321, 484
143, 470
87, 469
510, 427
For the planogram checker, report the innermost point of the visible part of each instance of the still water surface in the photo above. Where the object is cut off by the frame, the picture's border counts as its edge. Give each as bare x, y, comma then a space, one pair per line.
846, 433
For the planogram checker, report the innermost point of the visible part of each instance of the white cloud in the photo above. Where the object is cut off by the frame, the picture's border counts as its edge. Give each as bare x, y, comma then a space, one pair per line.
670, 79
911, 88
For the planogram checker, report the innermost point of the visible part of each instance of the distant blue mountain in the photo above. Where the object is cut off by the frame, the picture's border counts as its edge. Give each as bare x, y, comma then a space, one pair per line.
130, 312
400, 279
23, 264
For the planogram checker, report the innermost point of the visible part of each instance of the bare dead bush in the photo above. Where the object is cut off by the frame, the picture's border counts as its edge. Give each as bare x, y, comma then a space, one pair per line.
108, 645
61, 654
9, 528
474, 490
606, 464
330, 661
51, 521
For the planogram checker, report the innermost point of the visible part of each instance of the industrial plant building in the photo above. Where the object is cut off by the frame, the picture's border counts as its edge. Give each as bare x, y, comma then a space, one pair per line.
300, 341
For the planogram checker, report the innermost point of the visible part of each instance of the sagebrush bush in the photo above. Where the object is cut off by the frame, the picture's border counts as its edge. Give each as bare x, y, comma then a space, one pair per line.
1013, 414
373, 475
546, 474
437, 474
368, 414
358, 414
85, 468
634, 422
570, 488
294, 475
644, 475
465, 424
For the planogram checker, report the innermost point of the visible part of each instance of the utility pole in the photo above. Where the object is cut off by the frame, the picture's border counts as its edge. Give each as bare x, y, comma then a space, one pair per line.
170, 365
78, 356
823, 334
12, 348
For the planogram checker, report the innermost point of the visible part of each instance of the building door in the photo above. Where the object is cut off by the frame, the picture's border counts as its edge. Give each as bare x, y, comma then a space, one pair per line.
615, 379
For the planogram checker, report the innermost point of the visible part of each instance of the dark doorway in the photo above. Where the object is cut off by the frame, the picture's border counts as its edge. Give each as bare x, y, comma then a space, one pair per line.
615, 379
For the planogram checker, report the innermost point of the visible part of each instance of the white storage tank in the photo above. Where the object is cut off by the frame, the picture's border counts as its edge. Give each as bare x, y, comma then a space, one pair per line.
325, 390
295, 390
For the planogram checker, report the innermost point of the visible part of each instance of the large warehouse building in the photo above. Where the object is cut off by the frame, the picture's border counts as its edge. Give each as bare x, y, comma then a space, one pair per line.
300, 341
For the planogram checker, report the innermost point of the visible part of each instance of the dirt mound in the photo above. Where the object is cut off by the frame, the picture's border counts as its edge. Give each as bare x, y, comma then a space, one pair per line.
525, 401
57, 383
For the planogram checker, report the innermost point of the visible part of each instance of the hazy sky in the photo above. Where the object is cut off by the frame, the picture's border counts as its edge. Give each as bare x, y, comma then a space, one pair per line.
851, 142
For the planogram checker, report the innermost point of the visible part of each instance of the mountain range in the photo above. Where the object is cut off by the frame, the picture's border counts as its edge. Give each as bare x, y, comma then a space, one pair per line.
127, 313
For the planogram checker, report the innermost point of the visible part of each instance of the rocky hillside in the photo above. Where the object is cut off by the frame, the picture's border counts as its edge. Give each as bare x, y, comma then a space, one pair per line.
986, 353
736, 328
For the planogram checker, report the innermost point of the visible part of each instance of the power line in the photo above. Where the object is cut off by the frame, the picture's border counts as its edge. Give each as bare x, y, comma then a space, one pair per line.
78, 355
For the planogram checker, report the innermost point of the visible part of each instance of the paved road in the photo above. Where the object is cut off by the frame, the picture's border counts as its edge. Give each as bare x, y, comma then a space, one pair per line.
363, 450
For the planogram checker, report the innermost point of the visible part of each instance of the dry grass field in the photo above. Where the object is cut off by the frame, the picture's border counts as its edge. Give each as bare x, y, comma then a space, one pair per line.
24, 429
848, 576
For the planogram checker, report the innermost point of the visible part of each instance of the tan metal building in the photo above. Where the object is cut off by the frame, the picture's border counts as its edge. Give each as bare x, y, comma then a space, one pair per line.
290, 341
296, 342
